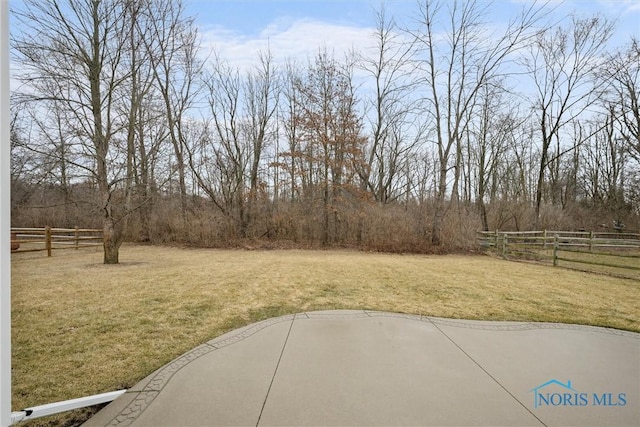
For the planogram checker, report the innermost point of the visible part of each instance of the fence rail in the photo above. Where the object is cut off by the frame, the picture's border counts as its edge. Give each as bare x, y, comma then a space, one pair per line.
607, 252
50, 239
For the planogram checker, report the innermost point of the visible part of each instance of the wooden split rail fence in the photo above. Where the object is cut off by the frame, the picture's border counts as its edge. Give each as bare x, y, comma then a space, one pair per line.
607, 252
49, 239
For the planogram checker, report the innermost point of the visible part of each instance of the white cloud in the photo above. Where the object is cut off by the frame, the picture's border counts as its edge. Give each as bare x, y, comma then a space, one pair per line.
621, 6
286, 39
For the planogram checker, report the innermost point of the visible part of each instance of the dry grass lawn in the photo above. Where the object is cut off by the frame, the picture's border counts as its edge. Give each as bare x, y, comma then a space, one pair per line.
81, 328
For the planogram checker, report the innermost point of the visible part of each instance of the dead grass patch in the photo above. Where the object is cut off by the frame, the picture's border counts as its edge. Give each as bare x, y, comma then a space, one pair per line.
81, 327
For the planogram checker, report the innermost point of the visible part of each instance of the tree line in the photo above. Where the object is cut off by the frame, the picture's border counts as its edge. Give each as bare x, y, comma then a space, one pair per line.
437, 130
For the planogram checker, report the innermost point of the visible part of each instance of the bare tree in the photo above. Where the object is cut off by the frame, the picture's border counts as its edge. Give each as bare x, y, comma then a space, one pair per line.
172, 47
261, 94
290, 158
26, 172
392, 111
219, 158
488, 144
603, 157
227, 161
94, 62
459, 57
562, 63
72, 54
623, 72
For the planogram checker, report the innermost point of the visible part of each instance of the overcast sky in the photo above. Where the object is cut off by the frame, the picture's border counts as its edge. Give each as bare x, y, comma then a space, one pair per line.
238, 29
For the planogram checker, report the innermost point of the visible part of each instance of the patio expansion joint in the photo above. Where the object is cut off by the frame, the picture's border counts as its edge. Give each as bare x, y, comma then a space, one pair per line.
275, 371
162, 377
487, 373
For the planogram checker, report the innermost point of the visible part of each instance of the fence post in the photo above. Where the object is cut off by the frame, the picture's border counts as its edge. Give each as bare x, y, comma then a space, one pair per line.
555, 250
544, 239
504, 246
47, 239
77, 236
591, 241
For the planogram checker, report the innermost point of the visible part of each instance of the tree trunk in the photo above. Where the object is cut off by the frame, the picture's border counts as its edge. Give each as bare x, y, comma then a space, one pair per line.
440, 206
436, 227
111, 242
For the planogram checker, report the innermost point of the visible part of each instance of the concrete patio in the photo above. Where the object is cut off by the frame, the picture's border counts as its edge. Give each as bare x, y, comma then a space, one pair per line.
358, 368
